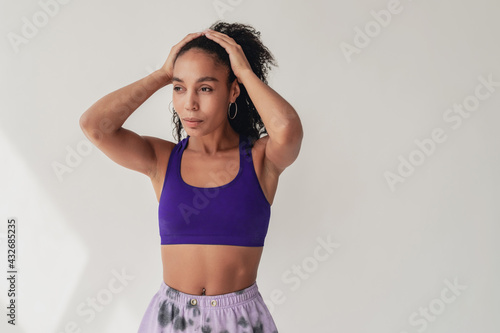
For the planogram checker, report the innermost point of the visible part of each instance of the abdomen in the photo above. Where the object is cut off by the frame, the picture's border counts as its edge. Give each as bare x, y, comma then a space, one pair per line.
219, 269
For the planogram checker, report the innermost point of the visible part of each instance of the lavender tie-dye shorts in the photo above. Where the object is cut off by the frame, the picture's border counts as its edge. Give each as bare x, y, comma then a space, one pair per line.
241, 311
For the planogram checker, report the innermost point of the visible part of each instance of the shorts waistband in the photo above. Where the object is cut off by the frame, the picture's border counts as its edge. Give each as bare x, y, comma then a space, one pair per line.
210, 301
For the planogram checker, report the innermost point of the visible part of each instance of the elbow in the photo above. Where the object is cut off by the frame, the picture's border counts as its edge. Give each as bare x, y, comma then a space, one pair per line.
296, 134
89, 128
298, 131
83, 121
292, 132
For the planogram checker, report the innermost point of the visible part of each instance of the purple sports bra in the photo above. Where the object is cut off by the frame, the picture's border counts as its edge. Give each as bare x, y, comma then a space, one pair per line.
236, 213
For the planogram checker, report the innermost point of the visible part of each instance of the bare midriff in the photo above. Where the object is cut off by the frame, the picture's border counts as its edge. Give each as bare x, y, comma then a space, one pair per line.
199, 269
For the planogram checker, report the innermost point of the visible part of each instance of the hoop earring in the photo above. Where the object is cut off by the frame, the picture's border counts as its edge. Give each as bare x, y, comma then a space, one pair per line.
170, 108
229, 111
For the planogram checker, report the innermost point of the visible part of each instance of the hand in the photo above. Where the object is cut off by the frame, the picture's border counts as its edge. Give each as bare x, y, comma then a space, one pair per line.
239, 62
168, 67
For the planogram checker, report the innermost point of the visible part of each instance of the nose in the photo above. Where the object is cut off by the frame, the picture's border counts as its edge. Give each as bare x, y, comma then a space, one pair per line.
191, 102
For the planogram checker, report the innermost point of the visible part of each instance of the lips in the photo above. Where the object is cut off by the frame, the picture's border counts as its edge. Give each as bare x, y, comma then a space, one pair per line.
192, 122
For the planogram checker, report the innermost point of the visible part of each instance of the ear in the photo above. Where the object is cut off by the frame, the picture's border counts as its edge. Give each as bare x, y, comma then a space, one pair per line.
234, 91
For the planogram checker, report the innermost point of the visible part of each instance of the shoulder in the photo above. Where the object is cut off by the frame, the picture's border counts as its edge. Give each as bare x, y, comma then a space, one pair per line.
163, 149
260, 158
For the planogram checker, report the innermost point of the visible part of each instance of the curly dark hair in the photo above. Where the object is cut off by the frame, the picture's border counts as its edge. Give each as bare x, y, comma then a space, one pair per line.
247, 121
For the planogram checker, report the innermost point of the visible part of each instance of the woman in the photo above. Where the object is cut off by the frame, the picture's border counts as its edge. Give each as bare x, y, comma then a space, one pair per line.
216, 186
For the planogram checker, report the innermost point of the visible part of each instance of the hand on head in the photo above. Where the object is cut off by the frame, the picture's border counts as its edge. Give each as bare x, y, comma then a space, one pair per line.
239, 62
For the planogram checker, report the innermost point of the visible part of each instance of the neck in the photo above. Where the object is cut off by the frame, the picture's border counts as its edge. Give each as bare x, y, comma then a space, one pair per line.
214, 142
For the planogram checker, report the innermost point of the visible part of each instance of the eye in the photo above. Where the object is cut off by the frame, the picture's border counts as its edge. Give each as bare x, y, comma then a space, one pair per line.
206, 89
177, 88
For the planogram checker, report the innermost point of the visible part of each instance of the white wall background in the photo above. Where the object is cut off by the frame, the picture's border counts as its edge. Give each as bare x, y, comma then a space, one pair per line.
399, 248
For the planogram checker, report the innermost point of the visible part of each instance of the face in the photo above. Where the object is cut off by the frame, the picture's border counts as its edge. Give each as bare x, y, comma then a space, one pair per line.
200, 92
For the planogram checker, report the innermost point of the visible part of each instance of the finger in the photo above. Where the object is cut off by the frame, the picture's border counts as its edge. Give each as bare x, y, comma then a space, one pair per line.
221, 36
193, 35
177, 47
221, 41
189, 37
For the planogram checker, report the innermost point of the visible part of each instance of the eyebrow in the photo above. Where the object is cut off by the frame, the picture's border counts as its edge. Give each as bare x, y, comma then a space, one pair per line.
201, 79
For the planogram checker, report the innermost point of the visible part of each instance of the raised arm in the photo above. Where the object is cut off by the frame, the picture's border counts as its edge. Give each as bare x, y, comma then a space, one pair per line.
102, 122
283, 125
